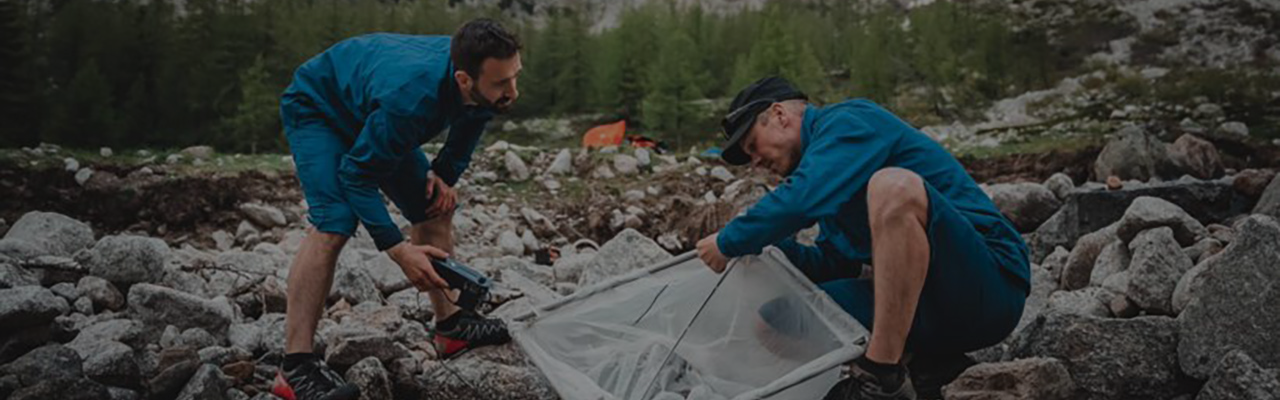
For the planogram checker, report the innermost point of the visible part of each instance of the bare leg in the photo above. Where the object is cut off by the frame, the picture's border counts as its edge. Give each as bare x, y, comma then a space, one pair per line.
437, 232
309, 280
898, 207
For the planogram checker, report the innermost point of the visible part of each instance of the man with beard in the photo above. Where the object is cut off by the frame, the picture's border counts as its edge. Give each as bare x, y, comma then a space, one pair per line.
355, 117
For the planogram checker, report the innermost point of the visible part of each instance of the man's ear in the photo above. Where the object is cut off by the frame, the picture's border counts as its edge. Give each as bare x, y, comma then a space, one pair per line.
464, 80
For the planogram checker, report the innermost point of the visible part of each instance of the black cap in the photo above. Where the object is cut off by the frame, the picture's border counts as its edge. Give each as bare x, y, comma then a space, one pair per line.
748, 104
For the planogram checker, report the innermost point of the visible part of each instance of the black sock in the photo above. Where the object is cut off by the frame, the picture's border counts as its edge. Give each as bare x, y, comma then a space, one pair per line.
889, 375
293, 360
449, 323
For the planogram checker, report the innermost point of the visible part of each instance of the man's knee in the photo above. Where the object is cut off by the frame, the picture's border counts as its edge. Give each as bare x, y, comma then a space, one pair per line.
896, 194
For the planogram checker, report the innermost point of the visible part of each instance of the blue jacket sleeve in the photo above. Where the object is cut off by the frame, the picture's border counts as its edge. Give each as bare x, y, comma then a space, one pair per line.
819, 263
842, 154
455, 156
387, 137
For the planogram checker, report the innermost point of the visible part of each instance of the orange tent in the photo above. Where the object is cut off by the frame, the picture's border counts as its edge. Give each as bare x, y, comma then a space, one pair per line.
605, 135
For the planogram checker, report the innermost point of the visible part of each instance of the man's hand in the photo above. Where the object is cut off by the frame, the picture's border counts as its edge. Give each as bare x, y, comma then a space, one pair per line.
445, 198
415, 261
709, 252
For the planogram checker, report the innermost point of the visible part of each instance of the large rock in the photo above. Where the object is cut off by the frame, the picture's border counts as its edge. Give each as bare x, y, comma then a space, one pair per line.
103, 294
1109, 358
113, 364
386, 274
1026, 204
14, 276
48, 362
1113, 259
1060, 184
1154, 271
1079, 267
1150, 212
207, 384
351, 350
27, 306
125, 260
354, 284
1235, 306
263, 215
1089, 210
627, 251
516, 168
46, 233
78, 388
1238, 377
1196, 156
562, 164
625, 164
159, 306
1133, 154
1269, 203
371, 378
1026, 379
1087, 301
490, 374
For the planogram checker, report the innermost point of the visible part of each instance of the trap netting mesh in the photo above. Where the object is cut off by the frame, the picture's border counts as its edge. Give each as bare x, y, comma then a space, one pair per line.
766, 332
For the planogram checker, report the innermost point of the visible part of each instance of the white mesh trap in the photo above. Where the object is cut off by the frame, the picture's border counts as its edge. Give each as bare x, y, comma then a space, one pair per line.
766, 333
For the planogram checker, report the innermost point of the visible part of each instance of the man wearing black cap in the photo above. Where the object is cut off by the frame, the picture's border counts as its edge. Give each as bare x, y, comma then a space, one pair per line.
949, 274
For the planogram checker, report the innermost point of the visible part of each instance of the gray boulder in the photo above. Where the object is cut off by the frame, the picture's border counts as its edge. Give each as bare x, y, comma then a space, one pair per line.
1087, 211
1026, 204
78, 388
113, 363
27, 306
1157, 265
1087, 301
208, 383
1079, 267
1238, 377
14, 276
1060, 184
371, 378
126, 259
1234, 306
1189, 285
516, 168
102, 293
354, 285
264, 215
1113, 259
1025, 379
626, 164
1269, 203
51, 233
627, 251
159, 306
1109, 358
350, 350
386, 274
1133, 154
51, 361
1150, 212
562, 164
1196, 156
498, 372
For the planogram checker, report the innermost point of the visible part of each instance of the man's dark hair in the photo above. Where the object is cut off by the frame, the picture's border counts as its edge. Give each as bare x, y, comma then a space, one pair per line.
481, 39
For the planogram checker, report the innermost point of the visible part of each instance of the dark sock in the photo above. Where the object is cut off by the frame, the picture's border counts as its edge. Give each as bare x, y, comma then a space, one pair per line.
889, 375
449, 323
293, 360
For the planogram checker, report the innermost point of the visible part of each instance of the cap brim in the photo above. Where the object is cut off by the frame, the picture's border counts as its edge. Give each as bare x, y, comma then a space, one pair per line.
733, 153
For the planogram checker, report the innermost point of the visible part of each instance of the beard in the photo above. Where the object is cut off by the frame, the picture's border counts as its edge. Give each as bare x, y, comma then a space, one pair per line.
500, 106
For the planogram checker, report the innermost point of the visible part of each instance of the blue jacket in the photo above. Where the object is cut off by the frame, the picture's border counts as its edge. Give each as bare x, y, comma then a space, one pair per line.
843, 145
387, 94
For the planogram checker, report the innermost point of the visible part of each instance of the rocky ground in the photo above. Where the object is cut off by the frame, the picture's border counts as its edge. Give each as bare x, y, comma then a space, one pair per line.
1152, 223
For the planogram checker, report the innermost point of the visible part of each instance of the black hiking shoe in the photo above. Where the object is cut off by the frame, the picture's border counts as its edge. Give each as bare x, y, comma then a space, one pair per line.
864, 385
313, 380
466, 330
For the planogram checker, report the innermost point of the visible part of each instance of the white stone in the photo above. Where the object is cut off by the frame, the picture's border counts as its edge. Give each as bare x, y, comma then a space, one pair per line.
83, 175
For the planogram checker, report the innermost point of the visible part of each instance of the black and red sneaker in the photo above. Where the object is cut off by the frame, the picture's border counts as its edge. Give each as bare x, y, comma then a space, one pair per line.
312, 380
466, 330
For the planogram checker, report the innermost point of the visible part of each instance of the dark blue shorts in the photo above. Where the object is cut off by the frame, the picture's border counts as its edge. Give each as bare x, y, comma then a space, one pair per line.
318, 150
969, 300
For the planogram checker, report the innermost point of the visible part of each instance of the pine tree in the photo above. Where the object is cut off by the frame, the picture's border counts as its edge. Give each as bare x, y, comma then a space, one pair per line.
673, 81
255, 125
18, 97
85, 116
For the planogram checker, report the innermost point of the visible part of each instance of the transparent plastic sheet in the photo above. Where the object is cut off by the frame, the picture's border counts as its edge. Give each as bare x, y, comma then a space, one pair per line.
766, 333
